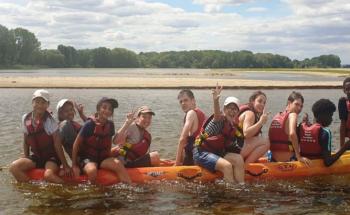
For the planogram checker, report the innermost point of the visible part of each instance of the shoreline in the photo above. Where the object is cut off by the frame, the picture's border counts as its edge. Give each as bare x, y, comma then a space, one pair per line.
159, 83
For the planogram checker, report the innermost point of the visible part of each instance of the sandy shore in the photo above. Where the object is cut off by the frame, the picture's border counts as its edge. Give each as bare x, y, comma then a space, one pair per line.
155, 82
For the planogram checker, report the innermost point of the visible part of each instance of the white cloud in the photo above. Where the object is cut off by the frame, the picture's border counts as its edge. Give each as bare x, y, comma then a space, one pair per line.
314, 27
214, 6
256, 9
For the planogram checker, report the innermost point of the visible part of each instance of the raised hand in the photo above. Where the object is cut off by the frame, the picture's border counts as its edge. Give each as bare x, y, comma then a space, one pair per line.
79, 107
216, 92
130, 117
264, 116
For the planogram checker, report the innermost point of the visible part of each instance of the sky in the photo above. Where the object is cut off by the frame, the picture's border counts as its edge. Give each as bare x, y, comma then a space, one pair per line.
298, 29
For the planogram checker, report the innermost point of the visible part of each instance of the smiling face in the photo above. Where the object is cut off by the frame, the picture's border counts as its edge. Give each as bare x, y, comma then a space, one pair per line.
105, 111
296, 106
186, 102
230, 111
66, 112
259, 103
144, 120
39, 105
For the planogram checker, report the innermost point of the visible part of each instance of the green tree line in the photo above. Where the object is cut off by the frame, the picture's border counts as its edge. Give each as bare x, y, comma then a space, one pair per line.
21, 47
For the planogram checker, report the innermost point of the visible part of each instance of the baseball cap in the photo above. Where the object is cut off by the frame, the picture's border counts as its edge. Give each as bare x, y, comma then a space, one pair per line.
231, 99
41, 94
112, 101
145, 109
61, 103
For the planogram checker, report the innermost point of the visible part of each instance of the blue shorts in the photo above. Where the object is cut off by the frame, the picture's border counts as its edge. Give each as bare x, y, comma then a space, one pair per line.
205, 159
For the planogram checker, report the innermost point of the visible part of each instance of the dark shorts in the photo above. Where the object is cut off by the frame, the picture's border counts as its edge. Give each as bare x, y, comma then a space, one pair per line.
40, 163
236, 146
144, 161
205, 159
188, 158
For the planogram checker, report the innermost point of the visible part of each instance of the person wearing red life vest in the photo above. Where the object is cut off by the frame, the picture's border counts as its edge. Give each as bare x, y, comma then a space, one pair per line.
133, 140
68, 127
252, 117
42, 139
316, 139
283, 136
92, 147
344, 112
217, 135
193, 121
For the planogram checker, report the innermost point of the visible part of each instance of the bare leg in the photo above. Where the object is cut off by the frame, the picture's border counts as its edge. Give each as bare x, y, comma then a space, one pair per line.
237, 164
91, 171
117, 167
19, 169
254, 148
50, 175
225, 167
155, 159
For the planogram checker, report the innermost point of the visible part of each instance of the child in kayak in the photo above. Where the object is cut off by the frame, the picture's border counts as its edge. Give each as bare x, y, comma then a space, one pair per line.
283, 136
133, 140
344, 112
252, 117
316, 140
42, 139
93, 144
193, 121
218, 135
68, 128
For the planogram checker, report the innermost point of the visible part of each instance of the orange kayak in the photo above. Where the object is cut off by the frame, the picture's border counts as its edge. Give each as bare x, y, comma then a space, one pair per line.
263, 170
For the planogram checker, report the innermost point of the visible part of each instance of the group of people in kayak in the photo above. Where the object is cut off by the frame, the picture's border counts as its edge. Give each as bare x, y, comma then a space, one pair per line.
225, 141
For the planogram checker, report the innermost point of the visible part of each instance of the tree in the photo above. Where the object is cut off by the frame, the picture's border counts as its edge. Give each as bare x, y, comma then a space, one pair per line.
26, 44
70, 55
7, 47
102, 58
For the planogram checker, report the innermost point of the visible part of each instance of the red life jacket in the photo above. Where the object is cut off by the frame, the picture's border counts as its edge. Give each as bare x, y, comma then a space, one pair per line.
191, 139
218, 143
348, 120
41, 144
278, 138
246, 107
97, 147
309, 140
131, 151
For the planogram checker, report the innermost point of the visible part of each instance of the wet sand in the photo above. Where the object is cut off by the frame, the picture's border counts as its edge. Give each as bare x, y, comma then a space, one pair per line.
155, 82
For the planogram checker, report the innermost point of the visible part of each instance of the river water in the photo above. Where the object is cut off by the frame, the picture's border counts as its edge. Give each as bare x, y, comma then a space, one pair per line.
328, 195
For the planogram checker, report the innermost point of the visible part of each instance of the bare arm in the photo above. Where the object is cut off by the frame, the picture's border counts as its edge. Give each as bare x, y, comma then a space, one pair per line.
59, 149
80, 109
216, 96
25, 146
120, 137
293, 137
190, 117
342, 132
76, 147
329, 159
250, 128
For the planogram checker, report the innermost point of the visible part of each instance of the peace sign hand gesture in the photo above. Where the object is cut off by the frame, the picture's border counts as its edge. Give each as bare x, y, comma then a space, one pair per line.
216, 92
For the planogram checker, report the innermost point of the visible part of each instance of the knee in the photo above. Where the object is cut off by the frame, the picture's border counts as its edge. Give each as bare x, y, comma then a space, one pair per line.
91, 173
237, 161
155, 158
48, 174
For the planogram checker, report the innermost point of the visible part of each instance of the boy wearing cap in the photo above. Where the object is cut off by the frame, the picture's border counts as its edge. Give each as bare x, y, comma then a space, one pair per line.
133, 140
94, 141
193, 121
41, 137
68, 128
218, 134
283, 136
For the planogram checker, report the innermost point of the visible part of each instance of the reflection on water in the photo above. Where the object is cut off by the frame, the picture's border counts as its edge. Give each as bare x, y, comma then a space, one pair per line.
317, 195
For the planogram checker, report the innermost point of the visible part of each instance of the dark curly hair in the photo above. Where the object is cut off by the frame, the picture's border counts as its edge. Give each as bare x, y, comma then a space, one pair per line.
323, 107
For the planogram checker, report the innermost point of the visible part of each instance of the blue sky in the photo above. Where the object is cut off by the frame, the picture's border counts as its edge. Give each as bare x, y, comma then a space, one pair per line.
298, 29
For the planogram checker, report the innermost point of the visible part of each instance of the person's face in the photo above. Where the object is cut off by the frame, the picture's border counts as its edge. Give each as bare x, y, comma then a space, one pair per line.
144, 120
259, 103
39, 105
67, 112
347, 89
105, 111
296, 106
231, 110
186, 102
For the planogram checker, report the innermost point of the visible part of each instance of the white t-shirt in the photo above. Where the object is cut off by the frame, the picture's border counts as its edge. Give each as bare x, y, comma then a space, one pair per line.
50, 125
133, 134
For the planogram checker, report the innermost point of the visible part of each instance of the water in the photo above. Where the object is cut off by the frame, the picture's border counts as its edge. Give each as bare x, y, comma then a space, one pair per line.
318, 195
198, 73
